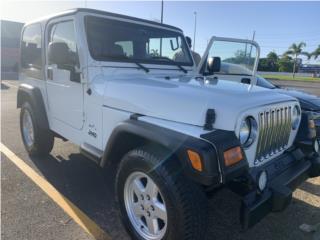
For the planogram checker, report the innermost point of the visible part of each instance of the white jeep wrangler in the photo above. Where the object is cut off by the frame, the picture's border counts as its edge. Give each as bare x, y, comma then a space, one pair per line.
127, 91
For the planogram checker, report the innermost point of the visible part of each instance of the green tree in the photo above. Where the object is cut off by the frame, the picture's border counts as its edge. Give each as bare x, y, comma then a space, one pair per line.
295, 50
154, 53
273, 59
316, 52
285, 64
272, 56
263, 65
270, 63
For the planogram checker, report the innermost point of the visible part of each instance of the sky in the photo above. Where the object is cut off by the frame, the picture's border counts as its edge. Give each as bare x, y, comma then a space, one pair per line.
276, 24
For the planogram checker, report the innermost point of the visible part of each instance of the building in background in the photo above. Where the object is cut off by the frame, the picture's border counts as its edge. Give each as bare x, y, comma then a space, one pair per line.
310, 68
10, 44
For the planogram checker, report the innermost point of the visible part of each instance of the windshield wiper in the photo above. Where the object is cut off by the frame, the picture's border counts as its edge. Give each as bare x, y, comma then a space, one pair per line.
141, 66
137, 63
172, 61
130, 60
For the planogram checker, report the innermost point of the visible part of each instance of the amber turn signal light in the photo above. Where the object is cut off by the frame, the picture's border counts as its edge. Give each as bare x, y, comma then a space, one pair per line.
232, 156
311, 124
195, 160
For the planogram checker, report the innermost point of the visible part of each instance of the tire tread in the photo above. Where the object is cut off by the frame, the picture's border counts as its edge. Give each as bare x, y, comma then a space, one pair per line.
44, 139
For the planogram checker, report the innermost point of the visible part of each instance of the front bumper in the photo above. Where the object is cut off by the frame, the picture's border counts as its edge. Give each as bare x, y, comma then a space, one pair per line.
278, 194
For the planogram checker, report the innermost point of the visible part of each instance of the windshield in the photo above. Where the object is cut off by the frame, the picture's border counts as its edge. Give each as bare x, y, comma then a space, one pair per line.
112, 40
261, 82
237, 58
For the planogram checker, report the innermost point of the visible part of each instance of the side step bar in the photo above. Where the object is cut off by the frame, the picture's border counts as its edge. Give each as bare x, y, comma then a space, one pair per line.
91, 152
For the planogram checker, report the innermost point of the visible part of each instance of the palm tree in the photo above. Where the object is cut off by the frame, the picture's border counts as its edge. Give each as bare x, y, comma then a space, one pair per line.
295, 50
316, 52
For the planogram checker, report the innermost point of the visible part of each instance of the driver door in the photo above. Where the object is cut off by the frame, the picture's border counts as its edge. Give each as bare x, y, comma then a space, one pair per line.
238, 59
64, 87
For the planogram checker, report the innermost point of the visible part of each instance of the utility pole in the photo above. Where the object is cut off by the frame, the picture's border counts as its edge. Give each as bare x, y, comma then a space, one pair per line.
161, 11
253, 35
161, 22
195, 29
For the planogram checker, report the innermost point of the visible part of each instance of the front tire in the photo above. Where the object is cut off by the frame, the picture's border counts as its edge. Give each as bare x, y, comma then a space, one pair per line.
37, 141
157, 201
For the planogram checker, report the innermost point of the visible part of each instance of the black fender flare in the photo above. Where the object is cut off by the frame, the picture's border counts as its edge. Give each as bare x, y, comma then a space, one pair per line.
224, 140
33, 95
127, 134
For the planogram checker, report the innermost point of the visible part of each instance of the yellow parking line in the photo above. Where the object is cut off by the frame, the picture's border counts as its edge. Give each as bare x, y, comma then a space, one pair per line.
307, 197
11, 85
75, 213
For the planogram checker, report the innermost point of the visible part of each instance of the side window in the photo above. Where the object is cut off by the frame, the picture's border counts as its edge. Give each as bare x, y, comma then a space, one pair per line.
31, 51
64, 53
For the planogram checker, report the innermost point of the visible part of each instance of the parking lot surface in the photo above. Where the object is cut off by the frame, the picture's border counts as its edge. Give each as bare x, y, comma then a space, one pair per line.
310, 87
29, 212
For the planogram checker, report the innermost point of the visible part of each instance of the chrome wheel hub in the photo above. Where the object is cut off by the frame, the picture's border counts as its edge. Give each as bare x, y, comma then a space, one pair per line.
145, 206
27, 128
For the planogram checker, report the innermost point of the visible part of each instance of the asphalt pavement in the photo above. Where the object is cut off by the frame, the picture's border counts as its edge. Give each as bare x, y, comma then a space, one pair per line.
27, 212
311, 87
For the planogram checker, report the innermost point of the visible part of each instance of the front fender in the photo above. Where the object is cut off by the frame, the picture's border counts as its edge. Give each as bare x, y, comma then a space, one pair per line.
31, 94
128, 133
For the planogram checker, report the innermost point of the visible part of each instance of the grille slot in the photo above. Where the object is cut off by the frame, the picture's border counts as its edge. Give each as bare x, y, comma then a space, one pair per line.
274, 131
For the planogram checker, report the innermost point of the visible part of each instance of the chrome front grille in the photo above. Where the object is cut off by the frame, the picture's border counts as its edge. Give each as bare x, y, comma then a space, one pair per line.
274, 131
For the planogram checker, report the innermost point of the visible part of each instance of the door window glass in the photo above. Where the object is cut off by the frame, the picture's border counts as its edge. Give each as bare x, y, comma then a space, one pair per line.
64, 33
31, 51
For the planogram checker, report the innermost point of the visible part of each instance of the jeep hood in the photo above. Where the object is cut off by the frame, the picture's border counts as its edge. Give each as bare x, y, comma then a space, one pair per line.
186, 99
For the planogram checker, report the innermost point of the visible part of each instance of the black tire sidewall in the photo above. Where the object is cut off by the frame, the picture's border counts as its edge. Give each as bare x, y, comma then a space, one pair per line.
132, 163
43, 139
27, 107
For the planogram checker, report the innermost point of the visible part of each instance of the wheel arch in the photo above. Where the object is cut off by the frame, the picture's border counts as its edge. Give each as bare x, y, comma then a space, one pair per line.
33, 95
129, 135
133, 133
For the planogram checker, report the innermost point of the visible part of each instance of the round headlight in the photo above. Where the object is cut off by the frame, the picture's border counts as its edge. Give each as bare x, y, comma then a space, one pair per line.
248, 131
316, 146
262, 180
244, 132
295, 117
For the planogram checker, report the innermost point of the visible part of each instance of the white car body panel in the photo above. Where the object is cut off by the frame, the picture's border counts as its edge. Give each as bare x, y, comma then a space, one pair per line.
163, 99
179, 103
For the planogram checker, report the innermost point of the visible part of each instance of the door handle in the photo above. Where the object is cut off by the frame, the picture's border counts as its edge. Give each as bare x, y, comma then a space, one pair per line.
50, 74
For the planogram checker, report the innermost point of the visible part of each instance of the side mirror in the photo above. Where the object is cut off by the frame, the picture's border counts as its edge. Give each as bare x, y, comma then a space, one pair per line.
58, 53
213, 65
174, 45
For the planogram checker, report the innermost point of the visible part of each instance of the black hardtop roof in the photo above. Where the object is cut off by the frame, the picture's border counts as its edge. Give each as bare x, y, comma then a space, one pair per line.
95, 11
